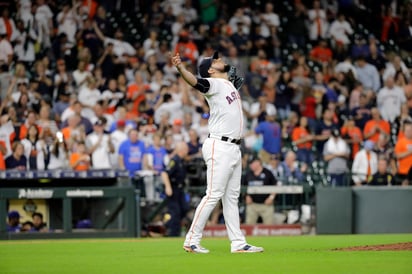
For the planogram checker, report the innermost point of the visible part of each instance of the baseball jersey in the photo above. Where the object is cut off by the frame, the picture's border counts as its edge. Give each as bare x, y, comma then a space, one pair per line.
226, 114
132, 155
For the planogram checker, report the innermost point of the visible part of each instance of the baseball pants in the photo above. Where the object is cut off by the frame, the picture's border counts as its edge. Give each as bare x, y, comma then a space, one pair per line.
224, 170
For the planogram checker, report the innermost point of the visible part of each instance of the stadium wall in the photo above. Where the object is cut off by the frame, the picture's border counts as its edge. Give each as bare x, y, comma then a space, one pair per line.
364, 210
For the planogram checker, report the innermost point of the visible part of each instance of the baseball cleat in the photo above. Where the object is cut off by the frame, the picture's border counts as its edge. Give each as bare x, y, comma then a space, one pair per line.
249, 249
196, 249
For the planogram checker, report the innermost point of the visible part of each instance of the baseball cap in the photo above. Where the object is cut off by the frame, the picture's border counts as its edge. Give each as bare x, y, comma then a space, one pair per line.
274, 157
121, 123
368, 145
87, 223
335, 132
271, 111
46, 98
65, 92
60, 62
14, 214
206, 63
184, 33
177, 122
254, 158
23, 81
101, 121
133, 60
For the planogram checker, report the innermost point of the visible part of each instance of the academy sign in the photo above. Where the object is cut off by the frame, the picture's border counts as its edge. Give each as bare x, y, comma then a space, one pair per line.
35, 193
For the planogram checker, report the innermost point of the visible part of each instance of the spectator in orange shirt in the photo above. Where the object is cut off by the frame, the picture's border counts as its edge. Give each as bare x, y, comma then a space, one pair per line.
89, 7
130, 111
302, 138
375, 126
30, 121
187, 48
403, 153
136, 91
261, 62
74, 132
352, 135
80, 160
321, 53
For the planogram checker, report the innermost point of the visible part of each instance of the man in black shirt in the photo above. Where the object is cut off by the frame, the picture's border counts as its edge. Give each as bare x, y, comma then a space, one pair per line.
259, 205
17, 160
382, 177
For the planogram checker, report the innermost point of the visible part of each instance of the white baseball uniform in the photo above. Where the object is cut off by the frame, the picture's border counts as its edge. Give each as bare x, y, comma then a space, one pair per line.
222, 155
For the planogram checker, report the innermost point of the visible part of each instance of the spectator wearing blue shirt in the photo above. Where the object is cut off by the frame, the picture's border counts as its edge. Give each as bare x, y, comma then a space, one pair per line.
272, 137
331, 92
13, 224
195, 147
155, 161
289, 169
367, 74
156, 155
131, 153
359, 47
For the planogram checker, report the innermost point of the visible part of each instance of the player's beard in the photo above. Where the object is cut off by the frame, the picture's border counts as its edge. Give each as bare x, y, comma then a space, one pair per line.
226, 68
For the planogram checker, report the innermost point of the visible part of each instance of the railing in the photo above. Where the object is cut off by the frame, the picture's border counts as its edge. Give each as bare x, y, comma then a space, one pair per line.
62, 173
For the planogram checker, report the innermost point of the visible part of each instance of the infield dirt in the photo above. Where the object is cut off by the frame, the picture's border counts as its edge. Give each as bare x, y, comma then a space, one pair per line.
385, 247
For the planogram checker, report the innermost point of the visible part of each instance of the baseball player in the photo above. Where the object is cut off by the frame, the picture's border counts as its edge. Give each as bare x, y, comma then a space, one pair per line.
220, 150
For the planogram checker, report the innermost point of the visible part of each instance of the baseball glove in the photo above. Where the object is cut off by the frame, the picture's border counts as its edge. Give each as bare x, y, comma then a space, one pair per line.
236, 80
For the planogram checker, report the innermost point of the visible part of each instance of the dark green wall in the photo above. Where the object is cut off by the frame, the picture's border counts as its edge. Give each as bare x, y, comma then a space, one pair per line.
333, 210
363, 210
380, 210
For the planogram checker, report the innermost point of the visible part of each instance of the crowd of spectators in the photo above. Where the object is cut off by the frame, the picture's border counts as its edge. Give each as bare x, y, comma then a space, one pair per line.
88, 84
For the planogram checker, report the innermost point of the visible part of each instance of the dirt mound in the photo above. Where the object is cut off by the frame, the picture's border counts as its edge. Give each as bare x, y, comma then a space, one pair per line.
387, 247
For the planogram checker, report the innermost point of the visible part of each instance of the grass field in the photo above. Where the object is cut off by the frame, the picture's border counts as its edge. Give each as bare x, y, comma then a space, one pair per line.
286, 254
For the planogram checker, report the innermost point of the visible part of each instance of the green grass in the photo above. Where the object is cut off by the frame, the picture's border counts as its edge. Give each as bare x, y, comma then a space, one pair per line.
289, 254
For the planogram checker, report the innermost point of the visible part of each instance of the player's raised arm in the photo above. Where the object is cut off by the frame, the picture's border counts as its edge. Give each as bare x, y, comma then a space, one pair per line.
186, 75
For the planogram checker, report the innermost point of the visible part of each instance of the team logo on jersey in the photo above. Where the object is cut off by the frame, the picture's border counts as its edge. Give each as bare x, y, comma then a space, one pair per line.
233, 96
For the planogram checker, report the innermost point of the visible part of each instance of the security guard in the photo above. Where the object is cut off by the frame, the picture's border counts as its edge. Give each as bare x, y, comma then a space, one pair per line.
382, 177
174, 181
